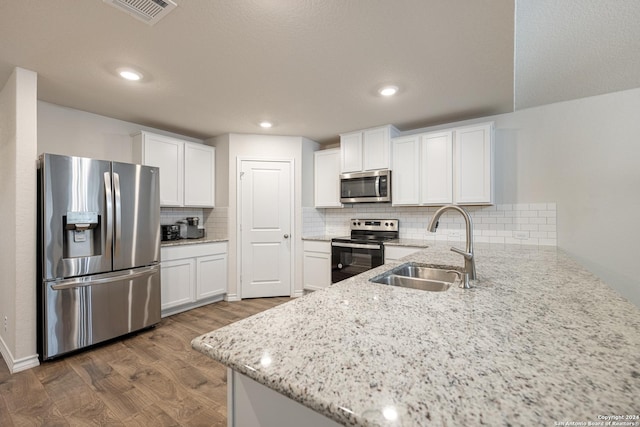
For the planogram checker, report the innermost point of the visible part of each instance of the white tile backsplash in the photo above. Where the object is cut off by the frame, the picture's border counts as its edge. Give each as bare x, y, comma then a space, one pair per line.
214, 221
522, 223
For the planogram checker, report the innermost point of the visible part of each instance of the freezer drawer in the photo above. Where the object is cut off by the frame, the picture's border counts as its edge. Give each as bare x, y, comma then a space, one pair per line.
84, 311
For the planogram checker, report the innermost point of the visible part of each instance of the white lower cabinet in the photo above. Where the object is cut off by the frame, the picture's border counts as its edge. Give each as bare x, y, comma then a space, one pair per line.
316, 265
394, 253
192, 275
212, 275
178, 279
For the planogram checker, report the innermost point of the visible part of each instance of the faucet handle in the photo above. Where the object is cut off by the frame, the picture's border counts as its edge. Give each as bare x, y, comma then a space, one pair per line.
467, 255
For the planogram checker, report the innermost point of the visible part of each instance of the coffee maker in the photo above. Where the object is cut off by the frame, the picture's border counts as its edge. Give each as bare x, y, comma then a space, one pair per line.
193, 231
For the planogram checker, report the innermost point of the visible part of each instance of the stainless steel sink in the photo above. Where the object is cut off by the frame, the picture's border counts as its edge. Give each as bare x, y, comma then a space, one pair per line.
420, 276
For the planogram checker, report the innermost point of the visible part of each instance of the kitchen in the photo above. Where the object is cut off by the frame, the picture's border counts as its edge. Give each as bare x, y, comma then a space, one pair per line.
547, 154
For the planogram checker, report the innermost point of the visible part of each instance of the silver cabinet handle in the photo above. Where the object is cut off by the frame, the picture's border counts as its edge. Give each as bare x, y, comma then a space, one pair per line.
286, 236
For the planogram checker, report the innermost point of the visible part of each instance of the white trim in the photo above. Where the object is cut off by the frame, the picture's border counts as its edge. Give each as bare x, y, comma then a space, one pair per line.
292, 188
17, 365
190, 306
232, 298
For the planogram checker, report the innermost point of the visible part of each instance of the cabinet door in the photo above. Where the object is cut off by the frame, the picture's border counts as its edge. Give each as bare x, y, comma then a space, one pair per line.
405, 177
436, 158
351, 152
473, 152
212, 276
375, 148
199, 176
317, 270
393, 253
178, 282
167, 154
327, 178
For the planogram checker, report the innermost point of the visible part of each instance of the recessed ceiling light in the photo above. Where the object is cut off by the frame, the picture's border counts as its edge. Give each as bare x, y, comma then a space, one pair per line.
266, 125
129, 74
388, 90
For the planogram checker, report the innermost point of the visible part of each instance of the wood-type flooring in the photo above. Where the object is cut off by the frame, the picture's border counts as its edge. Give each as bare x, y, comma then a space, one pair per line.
152, 378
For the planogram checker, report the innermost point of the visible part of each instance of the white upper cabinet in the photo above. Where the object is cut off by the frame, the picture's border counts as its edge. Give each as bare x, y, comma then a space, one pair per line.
449, 166
436, 177
327, 178
187, 169
199, 179
368, 149
405, 178
167, 154
351, 152
473, 163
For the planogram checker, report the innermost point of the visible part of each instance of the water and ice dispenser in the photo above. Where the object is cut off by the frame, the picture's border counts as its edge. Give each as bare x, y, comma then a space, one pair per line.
82, 234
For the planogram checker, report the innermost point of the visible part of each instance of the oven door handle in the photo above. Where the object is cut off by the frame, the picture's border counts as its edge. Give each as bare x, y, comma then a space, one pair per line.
356, 245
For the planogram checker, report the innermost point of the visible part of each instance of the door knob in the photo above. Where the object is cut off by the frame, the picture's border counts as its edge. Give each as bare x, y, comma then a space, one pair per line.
286, 236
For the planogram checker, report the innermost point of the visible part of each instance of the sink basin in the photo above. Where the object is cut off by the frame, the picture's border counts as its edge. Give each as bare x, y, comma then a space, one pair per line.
420, 276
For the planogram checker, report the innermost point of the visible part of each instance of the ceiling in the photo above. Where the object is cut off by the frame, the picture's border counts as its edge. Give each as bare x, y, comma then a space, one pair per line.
313, 67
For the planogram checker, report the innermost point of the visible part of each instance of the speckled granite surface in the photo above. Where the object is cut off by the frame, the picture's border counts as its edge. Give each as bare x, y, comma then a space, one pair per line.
416, 243
539, 340
190, 242
320, 238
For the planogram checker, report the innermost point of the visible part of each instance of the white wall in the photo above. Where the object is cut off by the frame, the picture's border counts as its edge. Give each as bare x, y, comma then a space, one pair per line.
584, 155
259, 147
72, 132
18, 139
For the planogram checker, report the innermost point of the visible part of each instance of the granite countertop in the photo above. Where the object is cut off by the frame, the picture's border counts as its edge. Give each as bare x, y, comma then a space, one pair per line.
182, 242
537, 341
321, 238
416, 243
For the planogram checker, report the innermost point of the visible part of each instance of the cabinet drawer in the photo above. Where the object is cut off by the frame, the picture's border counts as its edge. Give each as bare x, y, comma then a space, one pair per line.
315, 246
397, 252
192, 251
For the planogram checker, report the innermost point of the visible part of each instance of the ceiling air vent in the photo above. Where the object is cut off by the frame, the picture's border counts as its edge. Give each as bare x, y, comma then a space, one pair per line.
149, 11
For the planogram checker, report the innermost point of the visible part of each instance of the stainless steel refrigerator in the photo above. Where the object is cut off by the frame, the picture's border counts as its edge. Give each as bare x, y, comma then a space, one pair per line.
99, 251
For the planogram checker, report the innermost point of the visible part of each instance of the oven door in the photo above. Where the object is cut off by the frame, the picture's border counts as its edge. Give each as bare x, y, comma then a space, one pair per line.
349, 259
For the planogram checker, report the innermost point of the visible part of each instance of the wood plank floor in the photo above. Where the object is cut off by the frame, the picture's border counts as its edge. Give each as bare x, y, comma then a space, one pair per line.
153, 378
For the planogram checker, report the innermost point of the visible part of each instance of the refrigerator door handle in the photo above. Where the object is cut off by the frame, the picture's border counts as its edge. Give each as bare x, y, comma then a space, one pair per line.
118, 219
79, 282
109, 208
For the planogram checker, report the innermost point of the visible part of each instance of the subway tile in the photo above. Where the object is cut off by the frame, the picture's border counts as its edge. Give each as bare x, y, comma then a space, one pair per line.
538, 206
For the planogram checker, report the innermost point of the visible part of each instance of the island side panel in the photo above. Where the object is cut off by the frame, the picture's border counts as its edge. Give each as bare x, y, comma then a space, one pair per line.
250, 404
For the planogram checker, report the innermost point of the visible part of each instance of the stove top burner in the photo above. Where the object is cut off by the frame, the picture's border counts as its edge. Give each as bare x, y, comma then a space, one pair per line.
371, 230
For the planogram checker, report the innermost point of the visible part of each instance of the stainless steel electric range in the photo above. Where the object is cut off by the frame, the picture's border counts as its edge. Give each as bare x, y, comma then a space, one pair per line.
363, 249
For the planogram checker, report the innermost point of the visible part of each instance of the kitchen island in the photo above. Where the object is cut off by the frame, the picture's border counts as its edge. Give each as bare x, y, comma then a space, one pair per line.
537, 341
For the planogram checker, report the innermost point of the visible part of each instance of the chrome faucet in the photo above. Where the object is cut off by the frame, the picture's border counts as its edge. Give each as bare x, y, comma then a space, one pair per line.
469, 260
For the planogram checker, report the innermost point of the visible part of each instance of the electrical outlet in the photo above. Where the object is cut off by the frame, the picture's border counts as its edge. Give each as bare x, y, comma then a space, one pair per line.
523, 235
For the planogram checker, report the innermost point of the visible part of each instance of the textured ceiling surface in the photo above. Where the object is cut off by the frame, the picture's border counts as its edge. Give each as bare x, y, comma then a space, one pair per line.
312, 67
572, 49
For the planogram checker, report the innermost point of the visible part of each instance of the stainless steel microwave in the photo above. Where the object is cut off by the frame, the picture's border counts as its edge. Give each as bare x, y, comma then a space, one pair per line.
366, 187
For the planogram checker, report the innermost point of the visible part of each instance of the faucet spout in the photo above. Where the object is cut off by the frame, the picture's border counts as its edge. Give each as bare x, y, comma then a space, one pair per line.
469, 259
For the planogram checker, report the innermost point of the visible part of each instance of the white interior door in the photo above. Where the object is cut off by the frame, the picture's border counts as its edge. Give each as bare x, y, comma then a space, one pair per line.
266, 194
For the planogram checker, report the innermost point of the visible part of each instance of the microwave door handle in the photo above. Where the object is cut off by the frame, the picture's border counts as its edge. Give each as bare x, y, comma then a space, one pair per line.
108, 197
377, 186
118, 219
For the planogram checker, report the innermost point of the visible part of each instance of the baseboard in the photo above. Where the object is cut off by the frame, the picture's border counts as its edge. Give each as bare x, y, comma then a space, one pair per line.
190, 306
232, 298
17, 365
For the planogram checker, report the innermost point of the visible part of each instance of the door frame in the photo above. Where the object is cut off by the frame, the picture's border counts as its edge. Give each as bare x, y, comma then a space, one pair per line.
292, 186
